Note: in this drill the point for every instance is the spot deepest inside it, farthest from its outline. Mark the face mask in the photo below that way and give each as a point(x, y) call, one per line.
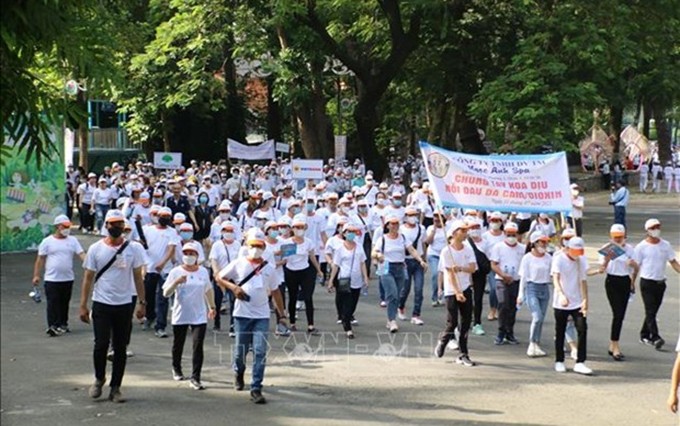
point(397, 203)
point(189, 259)
point(228, 235)
point(654, 233)
point(273, 233)
point(574, 193)
point(411, 220)
point(350, 236)
point(115, 231)
point(164, 221)
point(65, 232)
point(475, 233)
point(186, 235)
point(203, 200)
point(154, 220)
point(158, 201)
point(495, 226)
point(255, 252)
point(381, 202)
point(363, 210)
point(224, 216)
point(299, 232)
point(540, 250)
point(296, 210)
point(511, 240)
point(344, 209)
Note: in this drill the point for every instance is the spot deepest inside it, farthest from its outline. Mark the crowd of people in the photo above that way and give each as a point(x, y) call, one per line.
point(249, 241)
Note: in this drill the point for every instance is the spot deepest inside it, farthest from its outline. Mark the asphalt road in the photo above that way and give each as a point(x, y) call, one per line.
point(376, 379)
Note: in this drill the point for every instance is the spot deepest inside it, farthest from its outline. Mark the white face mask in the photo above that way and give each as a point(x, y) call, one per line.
point(154, 220)
point(65, 232)
point(344, 209)
point(299, 232)
point(189, 259)
point(224, 216)
point(255, 252)
point(411, 220)
point(495, 226)
point(228, 235)
point(511, 240)
point(475, 233)
point(540, 250)
point(381, 202)
point(574, 192)
point(654, 233)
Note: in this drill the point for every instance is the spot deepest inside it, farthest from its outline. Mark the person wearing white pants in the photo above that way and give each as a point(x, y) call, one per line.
point(668, 176)
point(644, 176)
point(676, 173)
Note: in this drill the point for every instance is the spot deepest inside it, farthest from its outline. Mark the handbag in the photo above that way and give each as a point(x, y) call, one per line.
point(345, 284)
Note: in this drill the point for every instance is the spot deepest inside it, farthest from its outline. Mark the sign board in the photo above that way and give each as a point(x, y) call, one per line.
point(263, 151)
point(282, 147)
point(307, 169)
point(167, 160)
point(510, 183)
point(340, 147)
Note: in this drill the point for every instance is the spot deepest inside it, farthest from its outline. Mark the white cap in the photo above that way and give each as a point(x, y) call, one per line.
point(165, 211)
point(254, 235)
point(456, 225)
point(538, 236)
point(91, 175)
point(228, 225)
point(496, 215)
point(568, 233)
point(270, 224)
point(351, 227)
point(62, 219)
point(114, 215)
point(299, 219)
point(144, 195)
point(224, 205)
point(650, 223)
point(510, 226)
point(617, 230)
point(267, 196)
point(121, 201)
point(179, 218)
point(576, 243)
point(191, 246)
point(186, 226)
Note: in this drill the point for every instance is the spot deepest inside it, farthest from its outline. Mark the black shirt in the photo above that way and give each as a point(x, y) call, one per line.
point(179, 206)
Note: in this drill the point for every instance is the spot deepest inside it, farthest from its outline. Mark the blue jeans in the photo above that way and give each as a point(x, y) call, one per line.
point(414, 273)
point(160, 310)
point(100, 211)
point(620, 215)
point(393, 282)
point(538, 297)
point(493, 299)
point(381, 287)
point(433, 266)
point(251, 332)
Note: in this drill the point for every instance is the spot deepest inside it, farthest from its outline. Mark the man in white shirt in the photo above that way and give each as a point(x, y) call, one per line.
point(55, 255)
point(644, 176)
point(85, 191)
point(656, 174)
point(575, 218)
point(651, 255)
point(112, 267)
point(676, 173)
point(668, 176)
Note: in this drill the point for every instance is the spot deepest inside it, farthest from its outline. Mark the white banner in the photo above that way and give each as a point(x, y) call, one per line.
point(307, 169)
point(167, 160)
point(69, 145)
point(509, 183)
point(263, 151)
point(282, 147)
point(340, 147)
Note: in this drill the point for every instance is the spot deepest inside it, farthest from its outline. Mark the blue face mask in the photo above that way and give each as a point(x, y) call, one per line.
point(296, 210)
point(186, 235)
point(273, 233)
point(203, 200)
point(309, 207)
point(397, 203)
point(350, 236)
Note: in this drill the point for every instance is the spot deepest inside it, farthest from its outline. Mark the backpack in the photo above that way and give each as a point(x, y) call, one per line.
point(483, 264)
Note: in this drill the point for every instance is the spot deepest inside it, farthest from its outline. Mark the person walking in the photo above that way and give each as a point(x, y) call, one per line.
point(651, 255)
point(194, 303)
point(534, 288)
point(575, 218)
point(457, 263)
point(55, 256)
point(435, 239)
point(252, 280)
point(414, 233)
point(479, 277)
point(570, 299)
point(493, 236)
point(112, 266)
point(619, 199)
point(221, 254)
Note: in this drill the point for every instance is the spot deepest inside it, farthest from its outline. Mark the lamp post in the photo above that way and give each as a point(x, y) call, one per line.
point(340, 70)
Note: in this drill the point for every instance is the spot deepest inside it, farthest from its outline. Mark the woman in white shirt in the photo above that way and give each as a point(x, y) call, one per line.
point(348, 263)
point(332, 244)
point(101, 202)
point(298, 274)
point(435, 239)
point(534, 287)
point(543, 224)
point(619, 284)
point(192, 306)
point(222, 253)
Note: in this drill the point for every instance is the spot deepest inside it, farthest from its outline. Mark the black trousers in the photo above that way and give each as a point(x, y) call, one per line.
point(110, 323)
point(652, 297)
point(507, 307)
point(86, 218)
point(453, 309)
point(478, 285)
point(561, 317)
point(58, 296)
point(347, 304)
point(179, 333)
point(618, 292)
point(300, 283)
point(367, 251)
point(151, 280)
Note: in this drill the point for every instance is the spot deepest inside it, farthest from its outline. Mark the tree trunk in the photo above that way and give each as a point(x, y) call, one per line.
point(82, 134)
point(236, 124)
point(663, 134)
point(274, 126)
point(466, 128)
point(646, 117)
point(366, 119)
point(167, 146)
point(615, 124)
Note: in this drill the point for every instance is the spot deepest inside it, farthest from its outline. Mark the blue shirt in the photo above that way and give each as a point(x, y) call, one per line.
point(620, 197)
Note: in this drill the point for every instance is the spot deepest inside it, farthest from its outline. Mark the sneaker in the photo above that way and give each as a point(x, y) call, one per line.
point(63, 329)
point(161, 334)
point(417, 321)
point(574, 354)
point(435, 303)
point(350, 334)
point(115, 395)
point(232, 334)
point(658, 343)
point(465, 360)
point(646, 341)
point(478, 330)
point(53, 332)
point(531, 350)
point(256, 397)
point(299, 306)
point(354, 321)
point(511, 339)
point(439, 349)
point(538, 352)
point(239, 384)
point(109, 356)
point(196, 384)
point(383, 304)
point(453, 345)
point(499, 340)
point(129, 353)
point(282, 330)
point(338, 321)
point(581, 368)
point(560, 367)
point(96, 389)
point(177, 375)
point(401, 315)
point(393, 327)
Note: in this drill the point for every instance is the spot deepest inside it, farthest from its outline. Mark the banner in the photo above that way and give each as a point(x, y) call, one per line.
point(307, 169)
point(31, 198)
point(282, 147)
point(340, 147)
point(263, 151)
point(509, 183)
point(167, 160)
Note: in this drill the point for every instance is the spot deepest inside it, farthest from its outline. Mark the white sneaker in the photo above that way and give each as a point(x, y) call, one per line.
point(129, 353)
point(581, 368)
point(538, 351)
point(299, 306)
point(574, 354)
point(393, 327)
point(560, 367)
point(453, 345)
point(417, 321)
point(383, 304)
point(401, 316)
point(531, 350)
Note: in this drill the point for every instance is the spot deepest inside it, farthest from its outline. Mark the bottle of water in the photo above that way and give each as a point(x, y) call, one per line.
point(364, 290)
point(35, 295)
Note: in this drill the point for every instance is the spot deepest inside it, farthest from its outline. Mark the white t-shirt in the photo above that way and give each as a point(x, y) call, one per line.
point(158, 240)
point(620, 266)
point(189, 306)
point(491, 240)
point(59, 254)
point(349, 268)
point(394, 248)
point(438, 242)
point(275, 248)
point(224, 253)
point(115, 285)
point(577, 213)
point(85, 190)
point(332, 244)
point(102, 196)
point(508, 258)
point(570, 280)
point(535, 269)
point(259, 287)
point(411, 233)
point(652, 259)
point(450, 257)
point(299, 260)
